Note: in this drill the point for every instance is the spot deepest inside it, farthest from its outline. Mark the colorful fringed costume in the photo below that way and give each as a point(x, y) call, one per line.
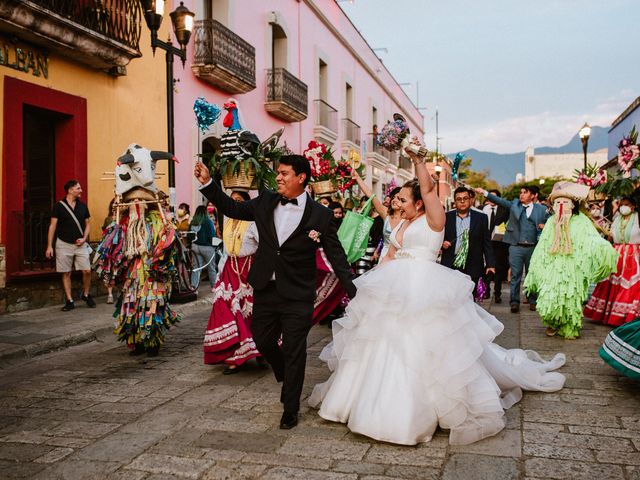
point(562, 279)
point(138, 253)
point(142, 310)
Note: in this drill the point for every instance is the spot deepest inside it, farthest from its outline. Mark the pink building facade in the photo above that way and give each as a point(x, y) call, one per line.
point(297, 64)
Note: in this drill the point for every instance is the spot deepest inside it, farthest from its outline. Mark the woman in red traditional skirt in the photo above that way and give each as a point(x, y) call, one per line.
point(228, 337)
point(616, 300)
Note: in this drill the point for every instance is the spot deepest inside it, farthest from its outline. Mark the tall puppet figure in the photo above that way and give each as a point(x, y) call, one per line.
point(569, 256)
point(138, 253)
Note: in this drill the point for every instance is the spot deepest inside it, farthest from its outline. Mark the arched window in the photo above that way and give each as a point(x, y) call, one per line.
point(278, 47)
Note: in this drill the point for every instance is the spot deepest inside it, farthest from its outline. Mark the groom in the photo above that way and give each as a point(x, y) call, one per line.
point(291, 226)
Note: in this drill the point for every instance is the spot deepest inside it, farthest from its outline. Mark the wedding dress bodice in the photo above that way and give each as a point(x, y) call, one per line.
point(418, 241)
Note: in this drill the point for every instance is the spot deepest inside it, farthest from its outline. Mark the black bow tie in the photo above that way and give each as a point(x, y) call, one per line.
point(284, 201)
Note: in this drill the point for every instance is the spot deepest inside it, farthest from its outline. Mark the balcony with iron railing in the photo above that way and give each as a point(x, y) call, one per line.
point(104, 34)
point(325, 129)
point(351, 131)
point(286, 96)
point(222, 58)
point(379, 156)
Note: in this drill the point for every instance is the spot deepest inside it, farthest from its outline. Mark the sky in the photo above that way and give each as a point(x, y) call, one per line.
point(507, 74)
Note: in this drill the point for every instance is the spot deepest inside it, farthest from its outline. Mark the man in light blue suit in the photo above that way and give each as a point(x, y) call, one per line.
point(526, 221)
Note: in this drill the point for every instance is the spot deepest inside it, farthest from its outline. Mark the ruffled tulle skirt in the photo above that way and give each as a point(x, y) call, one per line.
point(415, 352)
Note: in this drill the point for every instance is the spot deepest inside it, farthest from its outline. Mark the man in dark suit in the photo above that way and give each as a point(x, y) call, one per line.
point(498, 217)
point(462, 222)
point(291, 226)
point(526, 221)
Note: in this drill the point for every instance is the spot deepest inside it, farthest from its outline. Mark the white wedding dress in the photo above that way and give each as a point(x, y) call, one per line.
point(414, 351)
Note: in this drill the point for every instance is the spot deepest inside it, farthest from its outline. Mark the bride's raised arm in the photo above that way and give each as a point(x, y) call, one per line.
point(432, 206)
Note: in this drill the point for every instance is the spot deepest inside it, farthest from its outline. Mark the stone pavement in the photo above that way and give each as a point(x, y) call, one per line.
point(34, 332)
point(93, 411)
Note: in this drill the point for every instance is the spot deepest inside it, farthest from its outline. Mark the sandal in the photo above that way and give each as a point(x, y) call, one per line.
point(230, 370)
point(550, 332)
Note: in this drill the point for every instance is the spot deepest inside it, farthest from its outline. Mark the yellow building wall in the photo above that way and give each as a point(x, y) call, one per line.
point(120, 111)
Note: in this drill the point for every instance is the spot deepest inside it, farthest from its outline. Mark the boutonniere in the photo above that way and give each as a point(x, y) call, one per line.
point(314, 235)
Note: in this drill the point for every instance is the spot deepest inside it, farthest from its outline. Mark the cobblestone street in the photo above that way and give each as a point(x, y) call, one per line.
point(93, 411)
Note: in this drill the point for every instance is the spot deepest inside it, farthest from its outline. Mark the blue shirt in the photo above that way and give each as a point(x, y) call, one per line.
point(462, 225)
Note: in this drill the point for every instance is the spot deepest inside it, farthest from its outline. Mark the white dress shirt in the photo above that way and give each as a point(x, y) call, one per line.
point(487, 210)
point(528, 209)
point(287, 217)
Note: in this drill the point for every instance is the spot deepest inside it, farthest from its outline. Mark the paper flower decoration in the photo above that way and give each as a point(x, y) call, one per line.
point(206, 113)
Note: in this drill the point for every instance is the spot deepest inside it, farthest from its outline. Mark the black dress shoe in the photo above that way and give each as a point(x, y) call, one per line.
point(497, 300)
point(288, 420)
point(515, 308)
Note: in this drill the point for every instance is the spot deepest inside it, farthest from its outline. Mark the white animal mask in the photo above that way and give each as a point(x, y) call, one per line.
point(137, 168)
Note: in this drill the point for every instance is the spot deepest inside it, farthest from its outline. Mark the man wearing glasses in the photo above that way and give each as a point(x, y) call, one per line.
point(467, 245)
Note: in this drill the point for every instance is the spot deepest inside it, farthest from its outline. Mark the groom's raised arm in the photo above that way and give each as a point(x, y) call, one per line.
point(225, 204)
point(334, 251)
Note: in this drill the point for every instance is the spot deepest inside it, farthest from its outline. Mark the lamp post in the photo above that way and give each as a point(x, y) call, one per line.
point(438, 170)
point(584, 133)
point(182, 20)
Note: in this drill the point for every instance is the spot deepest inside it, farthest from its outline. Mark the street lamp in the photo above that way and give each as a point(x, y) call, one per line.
point(182, 21)
point(438, 170)
point(584, 133)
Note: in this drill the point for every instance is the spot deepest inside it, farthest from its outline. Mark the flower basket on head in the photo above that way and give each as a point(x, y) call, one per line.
point(594, 196)
point(322, 167)
point(324, 187)
point(244, 179)
point(244, 163)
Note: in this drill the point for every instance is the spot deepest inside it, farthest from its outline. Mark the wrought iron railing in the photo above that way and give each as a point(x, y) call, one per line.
point(326, 115)
point(215, 44)
point(32, 228)
point(282, 86)
point(392, 157)
point(119, 20)
point(351, 131)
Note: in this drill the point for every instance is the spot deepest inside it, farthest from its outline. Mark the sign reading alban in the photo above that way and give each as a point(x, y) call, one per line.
point(24, 59)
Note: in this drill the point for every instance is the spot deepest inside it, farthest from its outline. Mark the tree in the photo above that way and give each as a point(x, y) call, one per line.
point(512, 191)
point(474, 178)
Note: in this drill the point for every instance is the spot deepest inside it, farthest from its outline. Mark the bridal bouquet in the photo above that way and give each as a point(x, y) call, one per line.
point(393, 133)
point(395, 136)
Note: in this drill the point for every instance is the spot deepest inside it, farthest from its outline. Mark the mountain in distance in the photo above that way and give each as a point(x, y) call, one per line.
point(503, 167)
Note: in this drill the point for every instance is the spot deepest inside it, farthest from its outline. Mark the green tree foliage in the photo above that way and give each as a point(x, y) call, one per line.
point(512, 191)
point(474, 178)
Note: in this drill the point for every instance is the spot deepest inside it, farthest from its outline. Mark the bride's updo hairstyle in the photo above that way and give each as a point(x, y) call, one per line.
point(414, 186)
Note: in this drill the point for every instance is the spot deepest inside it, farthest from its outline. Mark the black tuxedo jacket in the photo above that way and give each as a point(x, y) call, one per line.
point(294, 262)
point(480, 250)
point(501, 216)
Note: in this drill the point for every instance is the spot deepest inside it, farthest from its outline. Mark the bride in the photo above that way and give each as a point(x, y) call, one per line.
point(415, 352)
